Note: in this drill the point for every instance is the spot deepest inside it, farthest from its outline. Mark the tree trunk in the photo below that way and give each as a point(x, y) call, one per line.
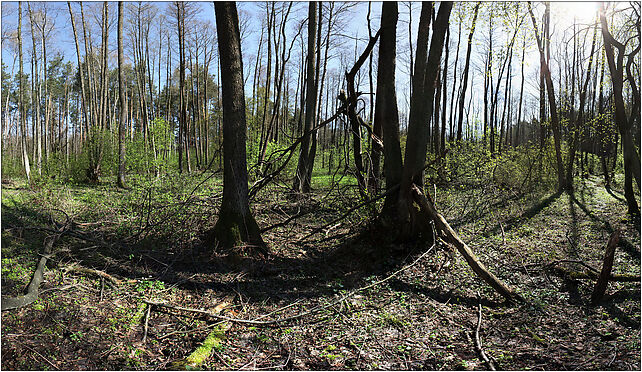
point(301, 180)
point(123, 101)
point(23, 125)
point(386, 111)
point(423, 96)
point(561, 181)
point(464, 83)
point(631, 156)
point(235, 226)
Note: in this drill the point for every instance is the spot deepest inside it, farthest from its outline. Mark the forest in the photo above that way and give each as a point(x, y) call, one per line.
point(320, 185)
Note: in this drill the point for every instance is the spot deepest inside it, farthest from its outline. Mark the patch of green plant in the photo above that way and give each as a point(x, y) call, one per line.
point(393, 321)
point(145, 285)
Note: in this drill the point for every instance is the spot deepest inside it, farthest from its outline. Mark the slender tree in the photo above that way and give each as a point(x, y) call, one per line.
point(123, 101)
point(561, 180)
point(464, 83)
point(631, 156)
point(23, 125)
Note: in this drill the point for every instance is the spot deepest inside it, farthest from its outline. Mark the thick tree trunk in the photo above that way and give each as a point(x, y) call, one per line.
point(235, 225)
point(416, 147)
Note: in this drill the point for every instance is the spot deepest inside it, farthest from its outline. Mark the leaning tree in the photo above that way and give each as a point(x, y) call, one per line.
point(404, 180)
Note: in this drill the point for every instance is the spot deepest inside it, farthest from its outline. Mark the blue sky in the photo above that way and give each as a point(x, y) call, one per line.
point(62, 40)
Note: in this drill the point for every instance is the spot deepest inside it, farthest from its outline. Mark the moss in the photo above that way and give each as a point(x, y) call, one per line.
point(234, 230)
point(196, 359)
point(138, 315)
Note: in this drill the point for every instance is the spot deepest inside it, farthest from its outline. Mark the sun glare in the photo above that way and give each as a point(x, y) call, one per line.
point(581, 11)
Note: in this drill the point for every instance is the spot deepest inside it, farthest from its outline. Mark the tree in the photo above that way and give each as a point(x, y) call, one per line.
point(421, 109)
point(23, 125)
point(464, 83)
point(631, 156)
point(302, 179)
point(123, 101)
point(561, 180)
point(236, 224)
point(386, 111)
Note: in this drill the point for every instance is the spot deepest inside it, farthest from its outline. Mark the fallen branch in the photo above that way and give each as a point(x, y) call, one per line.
point(85, 270)
point(477, 340)
point(149, 310)
point(286, 221)
point(607, 266)
point(451, 236)
point(31, 293)
point(349, 211)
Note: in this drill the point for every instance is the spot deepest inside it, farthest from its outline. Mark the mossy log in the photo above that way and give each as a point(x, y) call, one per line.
point(197, 358)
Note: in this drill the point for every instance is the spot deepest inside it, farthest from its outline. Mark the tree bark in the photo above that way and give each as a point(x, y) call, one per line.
point(236, 224)
point(301, 180)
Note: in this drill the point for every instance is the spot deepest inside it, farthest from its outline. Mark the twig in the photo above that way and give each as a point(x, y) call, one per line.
point(40, 355)
point(221, 358)
point(477, 340)
point(349, 211)
point(149, 309)
point(102, 288)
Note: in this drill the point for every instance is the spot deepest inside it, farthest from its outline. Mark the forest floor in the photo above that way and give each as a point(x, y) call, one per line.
point(424, 317)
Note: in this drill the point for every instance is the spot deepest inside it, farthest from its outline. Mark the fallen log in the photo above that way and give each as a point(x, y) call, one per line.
point(451, 237)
